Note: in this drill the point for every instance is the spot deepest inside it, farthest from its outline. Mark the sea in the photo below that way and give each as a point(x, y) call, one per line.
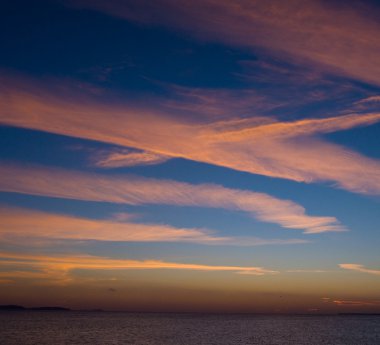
point(106, 328)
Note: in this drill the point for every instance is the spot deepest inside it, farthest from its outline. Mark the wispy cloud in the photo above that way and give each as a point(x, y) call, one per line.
point(339, 38)
point(217, 103)
point(291, 150)
point(128, 158)
point(359, 268)
point(18, 224)
point(349, 303)
point(137, 190)
point(370, 99)
point(58, 269)
point(306, 271)
point(267, 87)
point(287, 87)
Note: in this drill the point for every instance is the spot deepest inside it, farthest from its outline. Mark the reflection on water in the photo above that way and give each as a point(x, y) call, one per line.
point(25, 328)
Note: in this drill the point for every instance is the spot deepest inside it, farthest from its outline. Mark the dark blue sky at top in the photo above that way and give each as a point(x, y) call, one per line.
point(46, 38)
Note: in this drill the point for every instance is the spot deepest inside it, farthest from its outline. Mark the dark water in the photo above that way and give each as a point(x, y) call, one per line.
point(24, 328)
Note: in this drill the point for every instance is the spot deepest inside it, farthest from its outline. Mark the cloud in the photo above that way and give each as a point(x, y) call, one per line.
point(138, 190)
point(306, 271)
point(17, 273)
point(335, 37)
point(5, 281)
point(286, 87)
point(346, 303)
point(291, 150)
point(370, 99)
point(18, 224)
point(269, 86)
point(351, 303)
point(359, 268)
point(218, 103)
point(58, 269)
point(126, 158)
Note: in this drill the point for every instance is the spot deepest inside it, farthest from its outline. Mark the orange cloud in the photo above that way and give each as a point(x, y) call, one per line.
point(359, 268)
point(341, 38)
point(290, 150)
point(17, 224)
point(345, 303)
point(137, 190)
point(126, 158)
point(58, 269)
point(306, 271)
point(5, 281)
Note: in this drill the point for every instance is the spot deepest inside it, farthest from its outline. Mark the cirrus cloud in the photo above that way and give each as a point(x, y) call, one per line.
point(58, 269)
point(293, 150)
point(359, 268)
point(19, 224)
point(138, 190)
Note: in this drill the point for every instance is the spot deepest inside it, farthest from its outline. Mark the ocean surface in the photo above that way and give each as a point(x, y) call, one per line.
point(54, 327)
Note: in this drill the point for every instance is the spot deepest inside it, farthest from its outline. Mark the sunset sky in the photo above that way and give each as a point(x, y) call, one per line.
point(204, 155)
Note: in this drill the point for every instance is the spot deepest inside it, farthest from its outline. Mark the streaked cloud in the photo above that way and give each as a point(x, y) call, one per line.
point(306, 271)
point(359, 268)
point(370, 99)
point(211, 104)
point(349, 303)
point(138, 190)
point(266, 87)
point(19, 274)
point(291, 150)
point(340, 39)
point(23, 225)
point(59, 268)
point(128, 158)
point(6, 281)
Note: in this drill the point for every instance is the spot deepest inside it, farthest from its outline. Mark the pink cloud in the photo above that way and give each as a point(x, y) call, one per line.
point(291, 150)
point(137, 190)
point(359, 268)
point(126, 158)
point(349, 303)
point(20, 224)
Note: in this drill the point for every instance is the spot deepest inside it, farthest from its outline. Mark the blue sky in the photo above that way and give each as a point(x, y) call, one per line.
point(165, 146)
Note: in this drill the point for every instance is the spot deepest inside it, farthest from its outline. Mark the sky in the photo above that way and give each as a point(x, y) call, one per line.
point(203, 156)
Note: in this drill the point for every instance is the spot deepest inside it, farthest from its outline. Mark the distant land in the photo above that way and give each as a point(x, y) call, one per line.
point(15, 307)
point(21, 308)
